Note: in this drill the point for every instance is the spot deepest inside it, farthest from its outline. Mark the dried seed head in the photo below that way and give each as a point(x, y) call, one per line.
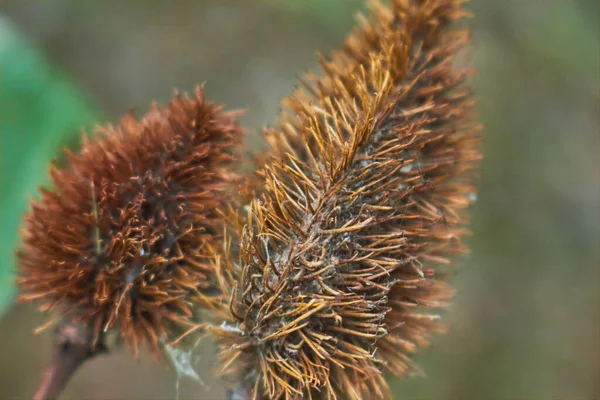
point(117, 243)
point(345, 256)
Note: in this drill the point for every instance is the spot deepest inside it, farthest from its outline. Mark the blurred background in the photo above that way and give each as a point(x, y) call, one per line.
point(526, 321)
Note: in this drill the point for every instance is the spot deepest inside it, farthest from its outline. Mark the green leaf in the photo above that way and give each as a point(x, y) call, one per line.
point(40, 112)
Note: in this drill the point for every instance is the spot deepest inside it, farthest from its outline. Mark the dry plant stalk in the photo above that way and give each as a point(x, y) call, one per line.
point(345, 257)
point(117, 243)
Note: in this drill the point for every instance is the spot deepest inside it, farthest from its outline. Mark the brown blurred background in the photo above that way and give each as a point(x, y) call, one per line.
point(526, 322)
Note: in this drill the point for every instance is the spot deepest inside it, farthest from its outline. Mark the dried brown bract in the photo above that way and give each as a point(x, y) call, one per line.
point(117, 243)
point(345, 255)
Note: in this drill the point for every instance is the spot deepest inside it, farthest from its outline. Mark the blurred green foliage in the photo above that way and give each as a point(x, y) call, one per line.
point(40, 112)
point(332, 14)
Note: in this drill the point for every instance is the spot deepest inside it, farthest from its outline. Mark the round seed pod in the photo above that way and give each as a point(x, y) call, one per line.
point(117, 243)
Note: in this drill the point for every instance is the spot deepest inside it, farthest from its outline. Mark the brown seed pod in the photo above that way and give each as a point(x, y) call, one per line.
point(345, 256)
point(117, 243)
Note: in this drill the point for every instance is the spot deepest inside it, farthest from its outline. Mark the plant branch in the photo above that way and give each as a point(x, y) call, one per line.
point(74, 344)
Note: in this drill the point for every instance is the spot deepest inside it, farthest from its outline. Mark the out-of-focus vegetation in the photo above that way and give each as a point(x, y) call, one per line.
point(526, 321)
point(40, 111)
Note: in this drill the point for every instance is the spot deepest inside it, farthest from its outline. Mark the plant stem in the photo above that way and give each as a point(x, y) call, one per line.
point(74, 344)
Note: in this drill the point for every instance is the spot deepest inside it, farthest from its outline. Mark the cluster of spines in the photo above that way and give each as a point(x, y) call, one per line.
point(344, 256)
point(117, 243)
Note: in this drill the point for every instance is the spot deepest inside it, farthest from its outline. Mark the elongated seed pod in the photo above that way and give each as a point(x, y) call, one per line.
point(117, 244)
point(345, 257)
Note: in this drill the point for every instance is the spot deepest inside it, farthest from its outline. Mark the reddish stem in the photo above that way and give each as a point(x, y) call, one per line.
point(74, 344)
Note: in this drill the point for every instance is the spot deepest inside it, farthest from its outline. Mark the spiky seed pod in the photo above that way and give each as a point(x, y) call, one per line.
point(117, 243)
point(345, 255)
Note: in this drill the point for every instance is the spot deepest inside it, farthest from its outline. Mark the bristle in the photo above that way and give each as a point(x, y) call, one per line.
point(117, 243)
point(345, 256)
